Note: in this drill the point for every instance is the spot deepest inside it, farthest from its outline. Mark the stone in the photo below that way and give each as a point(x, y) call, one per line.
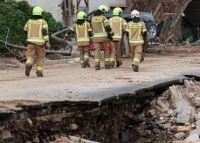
point(165, 126)
point(75, 53)
point(198, 115)
point(6, 134)
point(196, 131)
point(73, 126)
point(198, 123)
point(36, 140)
point(30, 122)
point(162, 121)
point(180, 135)
point(156, 131)
point(192, 138)
point(178, 142)
point(78, 115)
point(184, 114)
point(162, 104)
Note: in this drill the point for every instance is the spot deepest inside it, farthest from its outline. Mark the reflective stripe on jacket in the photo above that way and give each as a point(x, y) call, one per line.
point(135, 31)
point(34, 31)
point(82, 36)
point(98, 24)
point(117, 24)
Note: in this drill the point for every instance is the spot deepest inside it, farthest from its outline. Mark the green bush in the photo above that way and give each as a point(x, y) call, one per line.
point(13, 16)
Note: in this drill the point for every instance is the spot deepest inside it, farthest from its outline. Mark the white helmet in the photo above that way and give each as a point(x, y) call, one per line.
point(135, 13)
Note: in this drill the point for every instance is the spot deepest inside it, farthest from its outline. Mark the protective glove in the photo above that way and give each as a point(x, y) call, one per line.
point(110, 36)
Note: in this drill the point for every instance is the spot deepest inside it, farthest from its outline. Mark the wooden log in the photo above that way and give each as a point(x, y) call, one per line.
point(25, 48)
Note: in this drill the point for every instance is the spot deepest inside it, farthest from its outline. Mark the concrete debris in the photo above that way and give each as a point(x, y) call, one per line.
point(174, 112)
point(169, 117)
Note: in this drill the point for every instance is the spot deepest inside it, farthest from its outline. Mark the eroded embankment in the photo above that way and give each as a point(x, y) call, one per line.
point(111, 121)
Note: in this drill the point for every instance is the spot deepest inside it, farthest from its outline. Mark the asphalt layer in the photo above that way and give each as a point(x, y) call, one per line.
point(69, 82)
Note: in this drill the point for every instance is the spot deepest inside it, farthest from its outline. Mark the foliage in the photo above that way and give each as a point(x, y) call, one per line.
point(13, 16)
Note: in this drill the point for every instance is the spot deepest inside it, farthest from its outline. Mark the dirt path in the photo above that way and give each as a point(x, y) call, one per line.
point(70, 82)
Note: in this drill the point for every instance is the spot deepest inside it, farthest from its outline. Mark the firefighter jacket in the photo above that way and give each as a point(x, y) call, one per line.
point(135, 32)
point(98, 25)
point(82, 33)
point(118, 25)
point(35, 31)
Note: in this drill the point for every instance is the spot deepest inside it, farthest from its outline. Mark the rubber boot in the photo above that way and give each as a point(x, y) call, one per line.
point(39, 74)
point(108, 67)
point(83, 65)
point(142, 59)
point(112, 64)
point(119, 63)
point(135, 68)
point(28, 69)
point(97, 66)
point(87, 63)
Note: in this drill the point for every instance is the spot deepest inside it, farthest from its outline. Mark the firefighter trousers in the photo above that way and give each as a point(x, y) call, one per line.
point(97, 54)
point(84, 53)
point(36, 52)
point(136, 52)
point(115, 52)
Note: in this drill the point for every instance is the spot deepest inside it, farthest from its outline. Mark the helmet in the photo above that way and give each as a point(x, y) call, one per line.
point(117, 11)
point(81, 15)
point(135, 13)
point(103, 8)
point(37, 10)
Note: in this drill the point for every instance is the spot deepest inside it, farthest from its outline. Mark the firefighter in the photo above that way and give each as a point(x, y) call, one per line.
point(102, 31)
point(36, 29)
point(136, 32)
point(118, 25)
point(83, 33)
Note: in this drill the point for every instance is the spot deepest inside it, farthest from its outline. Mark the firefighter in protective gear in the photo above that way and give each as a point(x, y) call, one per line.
point(101, 31)
point(118, 25)
point(83, 34)
point(36, 29)
point(136, 32)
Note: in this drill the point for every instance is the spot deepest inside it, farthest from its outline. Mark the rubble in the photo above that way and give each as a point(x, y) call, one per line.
point(170, 116)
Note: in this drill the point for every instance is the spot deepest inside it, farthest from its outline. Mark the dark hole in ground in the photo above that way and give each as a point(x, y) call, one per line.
point(115, 120)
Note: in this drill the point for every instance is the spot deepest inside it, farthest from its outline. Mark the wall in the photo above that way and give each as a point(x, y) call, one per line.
point(51, 6)
point(93, 4)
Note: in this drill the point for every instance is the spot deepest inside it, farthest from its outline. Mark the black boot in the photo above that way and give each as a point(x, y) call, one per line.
point(28, 69)
point(135, 68)
point(83, 65)
point(142, 59)
point(97, 67)
point(40, 75)
point(108, 67)
point(112, 64)
point(87, 63)
point(119, 63)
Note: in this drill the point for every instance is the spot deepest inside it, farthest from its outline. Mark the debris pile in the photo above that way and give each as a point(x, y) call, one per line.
point(175, 115)
point(144, 116)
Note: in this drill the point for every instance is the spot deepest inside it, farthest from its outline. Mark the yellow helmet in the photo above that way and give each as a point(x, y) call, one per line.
point(117, 11)
point(103, 8)
point(81, 15)
point(37, 10)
